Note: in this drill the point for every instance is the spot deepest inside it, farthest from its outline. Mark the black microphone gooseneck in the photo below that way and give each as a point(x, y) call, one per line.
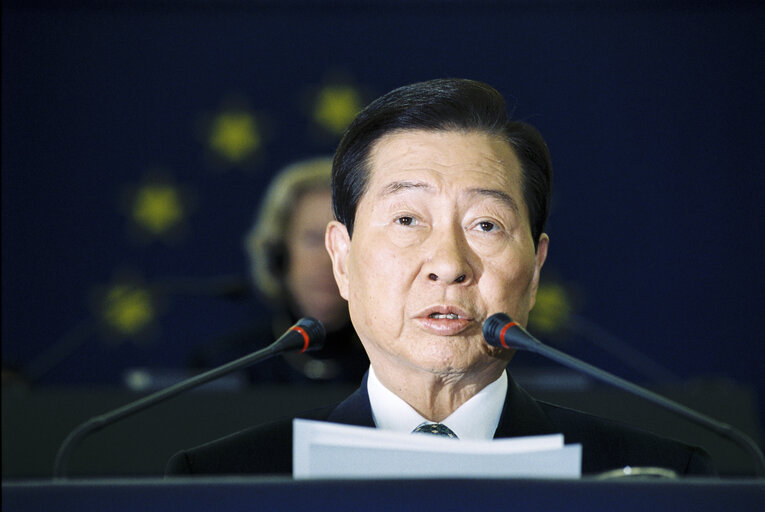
point(307, 335)
point(500, 330)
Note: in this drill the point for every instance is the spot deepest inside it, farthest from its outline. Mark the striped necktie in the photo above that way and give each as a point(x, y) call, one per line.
point(436, 429)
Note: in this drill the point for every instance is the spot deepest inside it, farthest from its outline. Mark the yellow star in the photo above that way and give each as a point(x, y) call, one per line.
point(552, 308)
point(234, 135)
point(128, 309)
point(336, 106)
point(158, 207)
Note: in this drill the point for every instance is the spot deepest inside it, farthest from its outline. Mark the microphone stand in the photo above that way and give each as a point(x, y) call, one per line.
point(289, 341)
point(723, 429)
point(500, 330)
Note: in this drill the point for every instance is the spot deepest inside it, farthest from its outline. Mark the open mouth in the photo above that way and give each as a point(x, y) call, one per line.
point(450, 316)
point(445, 320)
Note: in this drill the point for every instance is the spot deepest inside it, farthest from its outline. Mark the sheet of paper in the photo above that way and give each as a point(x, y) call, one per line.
point(330, 450)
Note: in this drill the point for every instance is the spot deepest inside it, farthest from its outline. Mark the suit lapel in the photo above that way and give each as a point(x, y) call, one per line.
point(521, 415)
point(356, 409)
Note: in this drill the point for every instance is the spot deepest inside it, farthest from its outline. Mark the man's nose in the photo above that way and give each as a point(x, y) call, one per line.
point(450, 257)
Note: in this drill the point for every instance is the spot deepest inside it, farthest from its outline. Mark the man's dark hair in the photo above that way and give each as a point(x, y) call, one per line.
point(440, 105)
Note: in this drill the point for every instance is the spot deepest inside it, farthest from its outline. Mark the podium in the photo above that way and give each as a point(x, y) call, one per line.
point(275, 494)
point(36, 421)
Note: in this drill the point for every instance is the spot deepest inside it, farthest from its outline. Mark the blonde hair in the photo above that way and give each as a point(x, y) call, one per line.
point(265, 242)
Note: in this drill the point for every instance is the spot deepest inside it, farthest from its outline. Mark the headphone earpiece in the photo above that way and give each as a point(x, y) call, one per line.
point(276, 257)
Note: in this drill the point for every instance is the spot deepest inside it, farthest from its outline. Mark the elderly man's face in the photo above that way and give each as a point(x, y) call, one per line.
point(441, 241)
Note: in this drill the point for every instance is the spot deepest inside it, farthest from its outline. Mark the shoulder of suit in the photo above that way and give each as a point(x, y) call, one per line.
point(600, 435)
point(582, 424)
point(271, 429)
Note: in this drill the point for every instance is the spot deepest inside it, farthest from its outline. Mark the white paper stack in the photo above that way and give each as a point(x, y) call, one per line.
point(331, 450)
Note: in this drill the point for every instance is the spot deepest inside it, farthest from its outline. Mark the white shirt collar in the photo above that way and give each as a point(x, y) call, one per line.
point(475, 419)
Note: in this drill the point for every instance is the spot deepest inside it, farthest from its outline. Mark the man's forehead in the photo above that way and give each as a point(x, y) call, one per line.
point(413, 159)
point(401, 186)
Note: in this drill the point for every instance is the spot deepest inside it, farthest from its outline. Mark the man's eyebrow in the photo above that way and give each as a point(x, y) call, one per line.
point(496, 194)
point(398, 186)
point(503, 197)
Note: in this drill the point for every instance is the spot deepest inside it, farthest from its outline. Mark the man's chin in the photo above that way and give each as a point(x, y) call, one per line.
point(461, 364)
point(451, 367)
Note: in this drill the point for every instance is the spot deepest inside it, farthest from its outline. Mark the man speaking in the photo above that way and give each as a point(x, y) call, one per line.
point(440, 203)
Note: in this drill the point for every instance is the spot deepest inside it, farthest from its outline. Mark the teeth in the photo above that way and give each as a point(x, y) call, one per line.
point(450, 316)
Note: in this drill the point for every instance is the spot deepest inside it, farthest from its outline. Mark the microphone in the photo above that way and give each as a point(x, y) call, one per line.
point(306, 335)
point(500, 330)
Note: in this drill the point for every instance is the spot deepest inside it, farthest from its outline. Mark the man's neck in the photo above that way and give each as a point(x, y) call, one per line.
point(436, 395)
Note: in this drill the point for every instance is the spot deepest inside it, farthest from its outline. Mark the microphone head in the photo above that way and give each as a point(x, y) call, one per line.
point(499, 330)
point(315, 331)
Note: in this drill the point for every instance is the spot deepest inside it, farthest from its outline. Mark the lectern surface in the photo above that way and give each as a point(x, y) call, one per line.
point(234, 494)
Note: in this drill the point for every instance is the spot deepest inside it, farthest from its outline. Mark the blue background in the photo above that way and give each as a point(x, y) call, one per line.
point(653, 113)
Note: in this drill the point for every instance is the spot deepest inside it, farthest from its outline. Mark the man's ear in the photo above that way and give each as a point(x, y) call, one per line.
point(338, 245)
point(539, 261)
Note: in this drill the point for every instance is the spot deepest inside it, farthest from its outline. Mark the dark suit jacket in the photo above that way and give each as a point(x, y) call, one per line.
point(606, 445)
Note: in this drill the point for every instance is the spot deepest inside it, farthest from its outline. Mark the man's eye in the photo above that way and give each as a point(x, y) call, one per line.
point(405, 221)
point(486, 226)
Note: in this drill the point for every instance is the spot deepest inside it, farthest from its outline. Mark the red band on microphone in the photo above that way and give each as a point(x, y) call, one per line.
point(503, 331)
point(305, 336)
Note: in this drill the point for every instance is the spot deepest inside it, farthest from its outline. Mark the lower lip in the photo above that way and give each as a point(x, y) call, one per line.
point(444, 326)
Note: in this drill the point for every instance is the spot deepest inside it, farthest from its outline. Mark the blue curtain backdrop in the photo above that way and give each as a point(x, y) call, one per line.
point(138, 137)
